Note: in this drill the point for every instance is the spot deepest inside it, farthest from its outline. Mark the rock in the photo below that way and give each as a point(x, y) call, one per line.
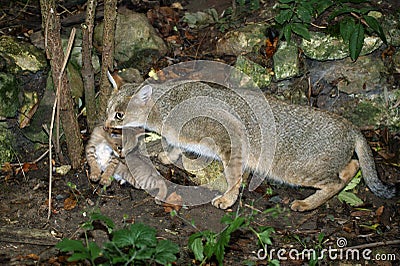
point(24, 55)
point(9, 92)
point(208, 173)
point(391, 28)
point(396, 61)
point(6, 141)
point(35, 132)
point(131, 75)
point(201, 19)
point(136, 41)
point(260, 75)
point(325, 47)
point(286, 61)
point(364, 75)
point(243, 40)
point(76, 52)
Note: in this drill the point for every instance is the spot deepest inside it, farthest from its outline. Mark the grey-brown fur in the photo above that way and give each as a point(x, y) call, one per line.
point(103, 153)
point(313, 148)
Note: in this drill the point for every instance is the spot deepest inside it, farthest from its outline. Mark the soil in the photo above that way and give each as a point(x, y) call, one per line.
point(28, 237)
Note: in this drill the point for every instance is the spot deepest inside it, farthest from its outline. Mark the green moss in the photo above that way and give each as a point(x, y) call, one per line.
point(8, 95)
point(6, 140)
point(25, 55)
point(364, 114)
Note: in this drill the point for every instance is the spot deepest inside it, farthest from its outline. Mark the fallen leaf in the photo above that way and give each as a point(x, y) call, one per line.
point(360, 213)
point(379, 211)
point(26, 118)
point(8, 170)
point(32, 256)
point(173, 202)
point(26, 167)
point(69, 203)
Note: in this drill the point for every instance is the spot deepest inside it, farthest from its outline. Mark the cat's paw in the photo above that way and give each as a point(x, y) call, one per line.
point(106, 180)
point(164, 158)
point(224, 202)
point(95, 176)
point(300, 206)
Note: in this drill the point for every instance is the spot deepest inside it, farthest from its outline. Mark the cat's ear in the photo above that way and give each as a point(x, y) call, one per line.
point(145, 93)
point(115, 80)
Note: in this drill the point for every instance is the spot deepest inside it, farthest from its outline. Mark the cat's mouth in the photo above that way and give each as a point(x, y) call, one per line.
point(113, 130)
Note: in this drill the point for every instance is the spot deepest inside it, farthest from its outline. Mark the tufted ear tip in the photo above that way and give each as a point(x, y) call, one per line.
point(115, 80)
point(145, 93)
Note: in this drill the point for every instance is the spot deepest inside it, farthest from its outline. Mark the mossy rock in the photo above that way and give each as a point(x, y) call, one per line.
point(6, 140)
point(24, 55)
point(9, 91)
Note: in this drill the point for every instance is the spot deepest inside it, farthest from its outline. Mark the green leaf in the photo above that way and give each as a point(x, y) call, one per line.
point(165, 252)
point(376, 27)
point(349, 198)
point(321, 6)
point(286, 1)
point(95, 250)
point(353, 182)
point(347, 27)
point(77, 256)
point(284, 16)
point(301, 30)
point(197, 247)
point(219, 248)
point(341, 11)
point(138, 235)
point(265, 235)
point(304, 13)
point(287, 32)
point(66, 245)
point(356, 41)
point(97, 216)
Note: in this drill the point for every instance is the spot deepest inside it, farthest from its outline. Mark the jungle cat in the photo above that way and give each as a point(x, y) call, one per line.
point(313, 148)
point(105, 154)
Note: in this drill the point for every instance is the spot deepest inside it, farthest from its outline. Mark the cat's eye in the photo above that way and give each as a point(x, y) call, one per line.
point(119, 115)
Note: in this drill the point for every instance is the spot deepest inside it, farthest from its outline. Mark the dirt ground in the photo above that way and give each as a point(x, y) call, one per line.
point(27, 237)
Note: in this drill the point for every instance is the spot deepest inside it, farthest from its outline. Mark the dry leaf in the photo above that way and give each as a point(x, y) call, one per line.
point(8, 170)
point(173, 202)
point(69, 203)
point(26, 167)
point(26, 119)
point(379, 211)
point(32, 256)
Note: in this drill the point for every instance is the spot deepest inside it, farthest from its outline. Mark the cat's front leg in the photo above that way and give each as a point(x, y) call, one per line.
point(107, 176)
point(95, 172)
point(171, 156)
point(233, 175)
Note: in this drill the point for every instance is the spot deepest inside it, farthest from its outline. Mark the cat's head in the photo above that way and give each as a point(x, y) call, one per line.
point(129, 106)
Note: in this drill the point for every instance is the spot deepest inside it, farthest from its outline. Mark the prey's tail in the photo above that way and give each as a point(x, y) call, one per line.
point(369, 173)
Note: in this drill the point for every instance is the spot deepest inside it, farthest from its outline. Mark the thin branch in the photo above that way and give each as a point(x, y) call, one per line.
point(57, 99)
point(375, 244)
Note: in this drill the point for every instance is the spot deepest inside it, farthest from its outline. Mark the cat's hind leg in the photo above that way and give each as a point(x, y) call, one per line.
point(328, 190)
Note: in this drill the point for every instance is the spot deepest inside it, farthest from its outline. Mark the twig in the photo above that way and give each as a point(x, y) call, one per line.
point(20, 166)
point(318, 26)
point(32, 162)
point(56, 104)
point(376, 244)
point(252, 208)
point(359, 18)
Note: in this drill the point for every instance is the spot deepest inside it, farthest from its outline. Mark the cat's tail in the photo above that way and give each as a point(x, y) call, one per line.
point(368, 169)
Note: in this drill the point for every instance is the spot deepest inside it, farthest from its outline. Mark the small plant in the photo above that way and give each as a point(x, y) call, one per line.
point(130, 246)
point(347, 195)
point(296, 16)
point(206, 244)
